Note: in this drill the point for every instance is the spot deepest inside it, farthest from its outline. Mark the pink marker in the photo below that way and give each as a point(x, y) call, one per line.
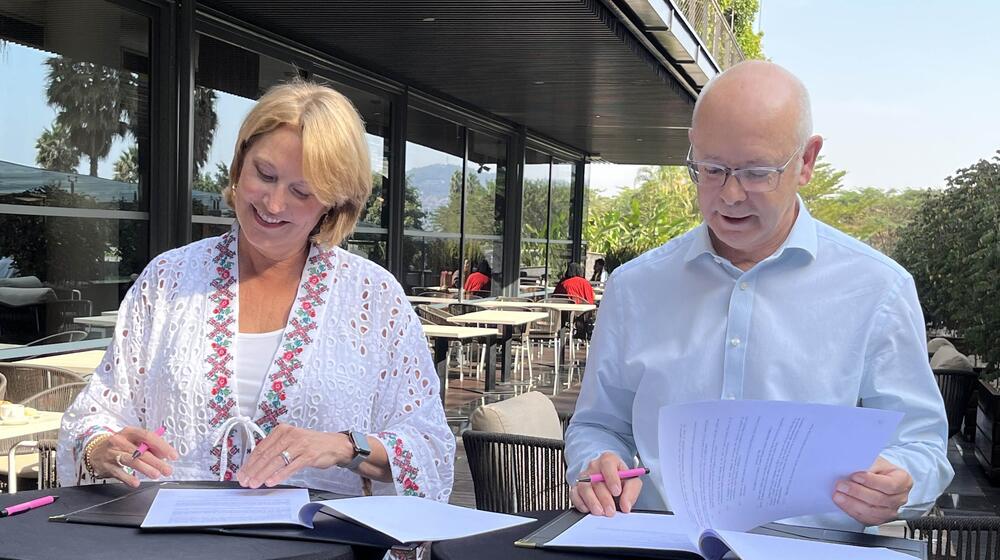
point(630, 473)
point(11, 510)
point(143, 447)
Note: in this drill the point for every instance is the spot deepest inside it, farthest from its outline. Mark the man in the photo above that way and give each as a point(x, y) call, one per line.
point(760, 301)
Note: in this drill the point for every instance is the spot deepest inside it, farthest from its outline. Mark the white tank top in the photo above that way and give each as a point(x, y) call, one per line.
point(254, 354)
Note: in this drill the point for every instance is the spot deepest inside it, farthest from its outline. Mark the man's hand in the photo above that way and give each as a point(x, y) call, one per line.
point(873, 497)
point(598, 497)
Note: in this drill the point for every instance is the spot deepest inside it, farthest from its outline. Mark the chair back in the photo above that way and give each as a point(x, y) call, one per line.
point(59, 337)
point(3, 387)
point(529, 414)
point(957, 537)
point(549, 327)
point(435, 315)
point(24, 381)
point(56, 399)
point(513, 473)
point(47, 464)
point(956, 390)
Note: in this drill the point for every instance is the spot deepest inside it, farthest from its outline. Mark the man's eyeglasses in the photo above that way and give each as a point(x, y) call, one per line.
point(710, 175)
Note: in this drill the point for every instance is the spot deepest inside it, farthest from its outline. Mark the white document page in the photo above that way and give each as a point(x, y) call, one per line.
point(627, 530)
point(410, 519)
point(221, 507)
point(749, 546)
point(736, 465)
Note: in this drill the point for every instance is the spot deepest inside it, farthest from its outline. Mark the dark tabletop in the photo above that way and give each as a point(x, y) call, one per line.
point(30, 535)
point(499, 545)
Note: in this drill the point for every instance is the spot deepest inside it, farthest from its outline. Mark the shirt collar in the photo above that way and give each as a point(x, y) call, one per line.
point(802, 237)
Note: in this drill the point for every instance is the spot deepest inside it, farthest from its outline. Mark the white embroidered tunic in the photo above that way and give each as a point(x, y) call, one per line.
point(352, 356)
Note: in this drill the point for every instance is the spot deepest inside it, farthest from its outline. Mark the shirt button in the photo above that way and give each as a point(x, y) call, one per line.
point(744, 285)
point(735, 341)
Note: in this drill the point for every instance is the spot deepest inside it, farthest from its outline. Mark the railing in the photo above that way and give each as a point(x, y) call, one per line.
point(713, 28)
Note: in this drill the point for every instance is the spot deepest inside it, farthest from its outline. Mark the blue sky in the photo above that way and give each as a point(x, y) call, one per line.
point(904, 91)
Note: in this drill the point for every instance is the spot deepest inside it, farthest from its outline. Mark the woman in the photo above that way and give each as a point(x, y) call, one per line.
point(479, 281)
point(269, 354)
point(575, 285)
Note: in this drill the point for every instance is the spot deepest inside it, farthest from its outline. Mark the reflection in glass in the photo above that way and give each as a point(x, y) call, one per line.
point(61, 258)
point(433, 202)
point(228, 81)
point(74, 106)
point(561, 200)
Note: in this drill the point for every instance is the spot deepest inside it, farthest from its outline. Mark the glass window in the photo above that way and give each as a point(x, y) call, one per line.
point(228, 81)
point(534, 220)
point(432, 210)
point(74, 163)
point(371, 235)
point(485, 205)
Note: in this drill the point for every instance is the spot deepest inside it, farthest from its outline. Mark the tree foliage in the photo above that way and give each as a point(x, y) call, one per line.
point(741, 14)
point(92, 104)
point(126, 168)
point(952, 249)
point(54, 151)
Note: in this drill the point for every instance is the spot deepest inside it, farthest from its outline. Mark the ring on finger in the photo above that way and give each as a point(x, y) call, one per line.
point(286, 457)
point(128, 470)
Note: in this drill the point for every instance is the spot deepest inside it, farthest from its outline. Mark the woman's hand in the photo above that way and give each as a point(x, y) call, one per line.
point(303, 448)
point(110, 457)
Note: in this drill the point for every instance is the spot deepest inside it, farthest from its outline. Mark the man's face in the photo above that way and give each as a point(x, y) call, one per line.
point(749, 226)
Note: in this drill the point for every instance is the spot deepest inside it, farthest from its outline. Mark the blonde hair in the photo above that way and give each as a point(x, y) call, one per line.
point(335, 158)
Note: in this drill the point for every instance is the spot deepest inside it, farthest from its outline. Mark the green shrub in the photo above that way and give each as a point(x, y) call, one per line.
point(952, 249)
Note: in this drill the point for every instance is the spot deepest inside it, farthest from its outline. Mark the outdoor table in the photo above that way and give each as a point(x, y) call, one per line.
point(83, 363)
point(442, 335)
point(112, 313)
point(571, 308)
point(31, 536)
point(430, 299)
point(499, 545)
point(9, 346)
point(507, 320)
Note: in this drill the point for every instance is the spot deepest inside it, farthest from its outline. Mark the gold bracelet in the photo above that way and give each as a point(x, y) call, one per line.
point(87, 451)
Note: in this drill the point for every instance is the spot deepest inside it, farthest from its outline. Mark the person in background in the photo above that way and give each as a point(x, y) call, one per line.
point(479, 281)
point(269, 354)
point(600, 275)
point(761, 301)
point(575, 285)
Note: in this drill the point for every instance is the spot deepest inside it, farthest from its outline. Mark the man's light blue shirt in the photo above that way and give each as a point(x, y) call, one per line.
point(825, 319)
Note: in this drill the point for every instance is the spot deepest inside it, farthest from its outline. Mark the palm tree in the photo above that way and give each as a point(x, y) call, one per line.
point(92, 101)
point(126, 169)
point(205, 123)
point(54, 150)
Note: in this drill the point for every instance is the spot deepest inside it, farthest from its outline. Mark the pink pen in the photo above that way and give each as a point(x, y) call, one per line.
point(143, 447)
point(11, 510)
point(630, 473)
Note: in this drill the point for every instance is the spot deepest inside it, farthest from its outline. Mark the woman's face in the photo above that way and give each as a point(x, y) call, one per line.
point(276, 207)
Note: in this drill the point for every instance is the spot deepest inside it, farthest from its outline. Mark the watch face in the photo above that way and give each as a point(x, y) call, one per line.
point(361, 446)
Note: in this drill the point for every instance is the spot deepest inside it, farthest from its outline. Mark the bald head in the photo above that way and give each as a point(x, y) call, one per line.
point(770, 94)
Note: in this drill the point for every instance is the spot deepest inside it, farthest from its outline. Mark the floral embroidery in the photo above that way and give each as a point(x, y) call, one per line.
point(83, 438)
point(402, 458)
point(296, 338)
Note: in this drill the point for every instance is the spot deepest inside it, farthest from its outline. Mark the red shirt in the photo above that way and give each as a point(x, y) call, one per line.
point(477, 281)
point(577, 288)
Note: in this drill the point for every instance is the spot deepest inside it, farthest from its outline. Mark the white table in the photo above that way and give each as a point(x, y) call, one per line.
point(506, 319)
point(83, 363)
point(431, 299)
point(101, 321)
point(9, 346)
point(113, 312)
point(442, 334)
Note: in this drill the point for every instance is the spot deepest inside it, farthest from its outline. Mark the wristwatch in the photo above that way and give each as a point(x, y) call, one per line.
point(361, 448)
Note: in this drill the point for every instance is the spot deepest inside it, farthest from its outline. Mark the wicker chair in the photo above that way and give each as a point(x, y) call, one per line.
point(56, 399)
point(957, 538)
point(3, 387)
point(513, 473)
point(956, 388)
point(24, 381)
point(47, 464)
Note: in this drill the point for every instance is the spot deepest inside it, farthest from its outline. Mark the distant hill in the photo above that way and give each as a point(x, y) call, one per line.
point(433, 182)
